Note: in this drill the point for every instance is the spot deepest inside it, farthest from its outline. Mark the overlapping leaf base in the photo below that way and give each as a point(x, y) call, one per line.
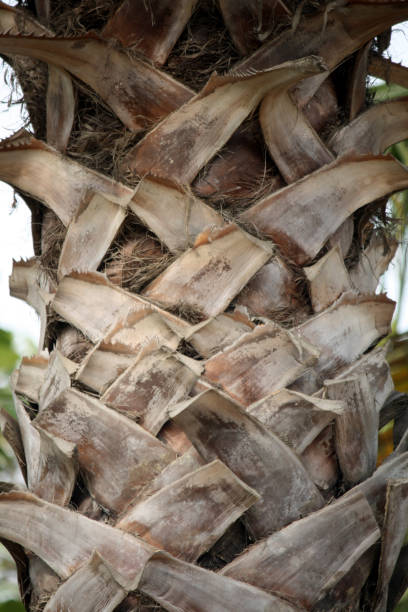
point(198, 431)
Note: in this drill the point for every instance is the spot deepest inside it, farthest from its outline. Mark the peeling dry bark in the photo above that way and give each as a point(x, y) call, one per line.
point(210, 275)
point(219, 428)
point(297, 566)
point(187, 517)
point(111, 482)
point(153, 28)
point(181, 145)
point(301, 236)
point(208, 375)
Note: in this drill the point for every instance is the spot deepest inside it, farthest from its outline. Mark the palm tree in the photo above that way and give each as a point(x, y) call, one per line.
point(208, 189)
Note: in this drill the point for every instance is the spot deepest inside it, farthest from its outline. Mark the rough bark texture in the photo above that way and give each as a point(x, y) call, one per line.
point(198, 431)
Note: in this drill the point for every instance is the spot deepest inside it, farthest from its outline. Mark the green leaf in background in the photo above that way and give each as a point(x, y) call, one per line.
point(8, 587)
point(12, 606)
point(6, 401)
point(8, 359)
point(8, 356)
point(387, 91)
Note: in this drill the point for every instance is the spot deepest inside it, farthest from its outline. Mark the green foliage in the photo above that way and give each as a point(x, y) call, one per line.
point(388, 91)
point(8, 356)
point(12, 606)
point(8, 359)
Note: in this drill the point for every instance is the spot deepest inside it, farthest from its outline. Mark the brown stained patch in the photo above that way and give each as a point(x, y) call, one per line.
point(149, 96)
point(174, 436)
point(250, 369)
point(256, 456)
point(138, 25)
point(216, 267)
point(133, 402)
point(167, 156)
point(152, 28)
point(79, 44)
point(106, 441)
point(186, 517)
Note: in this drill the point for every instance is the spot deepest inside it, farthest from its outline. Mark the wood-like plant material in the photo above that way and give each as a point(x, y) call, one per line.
point(375, 487)
point(373, 262)
point(121, 346)
point(89, 235)
point(30, 283)
point(272, 290)
point(176, 584)
point(320, 461)
point(189, 461)
point(60, 104)
point(11, 431)
point(399, 580)
point(210, 275)
point(347, 592)
point(187, 517)
point(219, 428)
point(28, 379)
point(153, 202)
point(73, 539)
point(394, 531)
point(77, 293)
point(44, 580)
point(375, 367)
point(293, 144)
point(328, 280)
point(356, 428)
point(58, 182)
point(388, 70)
point(350, 327)
point(182, 144)
point(296, 418)
point(328, 198)
point(135, 90)
point(250, 23)
point(357, 88)
point(343, 236)
point(262, 361)
point(237, 174)
point(373, 131)
point(297, 567)
point(101, 367)
point(209, 373)
point(56, 379)
point(51, 462)
point(141, 330)
point(113, 486)
point(333, 37)
point(149, 387)
point(151, 28)
point(92, 588)
point(216, 333)
point(60, 108)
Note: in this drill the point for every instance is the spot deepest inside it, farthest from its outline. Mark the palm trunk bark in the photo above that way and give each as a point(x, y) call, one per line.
point(199, 429)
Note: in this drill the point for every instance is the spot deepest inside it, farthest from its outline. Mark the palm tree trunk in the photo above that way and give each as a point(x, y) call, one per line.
point(199, 429)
